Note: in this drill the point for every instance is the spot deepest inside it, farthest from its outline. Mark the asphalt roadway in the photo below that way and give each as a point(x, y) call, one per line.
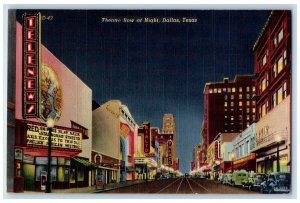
point(182, 186)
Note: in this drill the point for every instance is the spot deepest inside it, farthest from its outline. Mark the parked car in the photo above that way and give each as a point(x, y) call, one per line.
point(238, 177)
point(221, 177)
point(254, 180)
point(277, 182)
point(227, 179)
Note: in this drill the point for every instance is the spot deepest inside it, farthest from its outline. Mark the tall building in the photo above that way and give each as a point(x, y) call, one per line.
point(272, 52)
point(228, 106)
point(169, 127)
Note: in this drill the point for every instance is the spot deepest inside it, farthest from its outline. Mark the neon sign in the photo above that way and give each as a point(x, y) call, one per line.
point(31, 62)
point(146, 138)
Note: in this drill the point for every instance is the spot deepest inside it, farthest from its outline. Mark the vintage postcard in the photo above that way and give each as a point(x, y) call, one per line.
point(140, 101)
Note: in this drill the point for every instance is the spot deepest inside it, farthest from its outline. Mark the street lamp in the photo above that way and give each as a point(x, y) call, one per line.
point(50, 125)
point(232, 157)
point(278, 139)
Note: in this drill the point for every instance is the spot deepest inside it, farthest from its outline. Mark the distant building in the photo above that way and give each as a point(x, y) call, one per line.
point(272, 52)
point(169, 127)
point(242, 145)
point(114, 134)
point(228, 106)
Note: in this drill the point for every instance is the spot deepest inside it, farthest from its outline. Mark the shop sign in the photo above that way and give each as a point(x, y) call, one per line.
point(146, 138)
point(31, 63)
point(61, 138)
point(28, 159)
point(18, 154)
point(98, 158)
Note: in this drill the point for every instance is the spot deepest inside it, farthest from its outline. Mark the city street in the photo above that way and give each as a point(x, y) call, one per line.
point(182, 186)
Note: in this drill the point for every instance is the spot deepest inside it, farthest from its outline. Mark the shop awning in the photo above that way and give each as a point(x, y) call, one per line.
point(130, 169)
point(82, 162)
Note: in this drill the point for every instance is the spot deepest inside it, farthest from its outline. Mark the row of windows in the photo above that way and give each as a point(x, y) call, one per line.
point(278, 97)
point(233, 89)
point(241, 117)
point(129, 120)
point(277, 39)
point(248, 103)
point(278, 66)
point(248, 96)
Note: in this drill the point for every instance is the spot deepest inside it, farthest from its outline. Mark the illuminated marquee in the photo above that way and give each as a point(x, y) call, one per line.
point(62, 138)
point(31, 62)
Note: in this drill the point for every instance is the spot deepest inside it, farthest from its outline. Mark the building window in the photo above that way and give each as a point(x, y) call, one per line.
point(248, 96)
point(279, 65)
point(210, 91)
point(275, 70)
point(247, 88)
point(279, 95)
point(225, 104)
point(253, 103)
point(225, 97)
point(265, 60)
point(240, 103)
point(253, 110)
point(232, 96)
point(253, 89)
point(219, 90)
point(253, 117)
point(284, 91)
point(263, 84)
point(233, 89)
point(248, 103)
point(280, 36)
point(85, 132)
point(248, 110)
point(215, 90)
point(232, 118)
point(248, 117)
point(240, 89)
point(232, 104)
point(224, 89)
point(263, 110)
point(225, 116)
point(284, 57)
point(267, 106)
point(275, 41)
point(229, 89)
point(274, 100)
point(240, 117)
point(240, 96)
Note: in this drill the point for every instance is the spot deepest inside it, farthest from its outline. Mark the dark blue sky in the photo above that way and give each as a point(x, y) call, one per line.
point(155, 68)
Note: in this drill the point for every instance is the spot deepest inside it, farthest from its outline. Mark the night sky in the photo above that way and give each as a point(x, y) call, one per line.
point(155, 68)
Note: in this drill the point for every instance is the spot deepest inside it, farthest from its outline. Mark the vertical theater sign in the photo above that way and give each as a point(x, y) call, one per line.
point(31, 63)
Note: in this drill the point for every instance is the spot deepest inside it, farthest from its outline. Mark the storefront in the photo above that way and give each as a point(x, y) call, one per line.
point(31, 155)
point(273, 140)
point(106, 167)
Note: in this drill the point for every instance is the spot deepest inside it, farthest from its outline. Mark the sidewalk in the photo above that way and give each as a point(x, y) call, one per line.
point(92, 189)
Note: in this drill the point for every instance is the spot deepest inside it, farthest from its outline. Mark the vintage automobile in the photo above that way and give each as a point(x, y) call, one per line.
point(227, 179)
point(221, 177)
point(238, 177)
point(277, 182)
point(254, 180)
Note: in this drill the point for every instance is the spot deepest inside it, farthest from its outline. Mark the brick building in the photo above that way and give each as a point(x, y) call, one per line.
point(228, 107)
